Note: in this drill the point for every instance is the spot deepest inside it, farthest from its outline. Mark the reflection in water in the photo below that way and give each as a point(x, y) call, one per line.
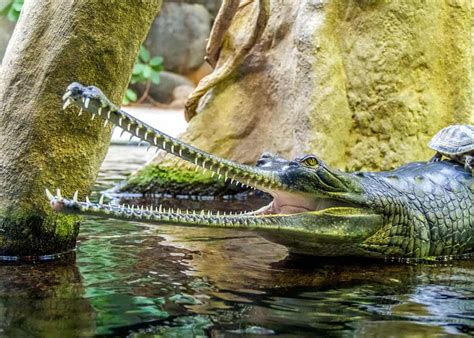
point(134, 279)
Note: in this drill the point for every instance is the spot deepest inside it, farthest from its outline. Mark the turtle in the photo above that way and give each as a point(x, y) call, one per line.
point(456, 142)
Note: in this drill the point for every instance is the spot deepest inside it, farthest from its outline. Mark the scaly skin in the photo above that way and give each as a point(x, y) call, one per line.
point(421, 210)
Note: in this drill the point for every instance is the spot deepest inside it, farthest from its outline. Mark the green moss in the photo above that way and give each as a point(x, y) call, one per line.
point(155, 178)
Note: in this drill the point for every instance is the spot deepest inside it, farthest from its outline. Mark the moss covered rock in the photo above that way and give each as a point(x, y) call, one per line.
point(169, 180)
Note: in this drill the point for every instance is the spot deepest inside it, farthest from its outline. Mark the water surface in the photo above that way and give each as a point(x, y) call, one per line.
point(130, 279)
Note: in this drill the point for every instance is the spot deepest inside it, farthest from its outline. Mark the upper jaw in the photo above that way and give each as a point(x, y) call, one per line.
point(92, 100)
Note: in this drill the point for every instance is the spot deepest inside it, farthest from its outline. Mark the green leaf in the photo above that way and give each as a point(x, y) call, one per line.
point(155, 78)
point(156, 61)
point(144, 54)
point(12, 15)
point(125, 101)
point(17, 6)
point(147, 71)
point(138, 68)
point(131, 95)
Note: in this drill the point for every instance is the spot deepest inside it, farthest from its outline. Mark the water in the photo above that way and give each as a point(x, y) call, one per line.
point(129, 279)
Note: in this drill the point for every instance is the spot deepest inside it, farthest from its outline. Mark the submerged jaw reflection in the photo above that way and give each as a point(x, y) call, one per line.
point(315, 210)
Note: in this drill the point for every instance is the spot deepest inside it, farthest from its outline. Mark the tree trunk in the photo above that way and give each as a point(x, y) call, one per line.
point(55, 43)
point(364, 84)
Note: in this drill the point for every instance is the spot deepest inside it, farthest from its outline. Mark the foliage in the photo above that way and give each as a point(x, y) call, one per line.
point(145, 71)
point(11, 9)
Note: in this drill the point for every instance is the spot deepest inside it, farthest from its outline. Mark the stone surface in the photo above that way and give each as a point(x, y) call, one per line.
point(179, 35)
point(43, 146)
point(6, 30)
point(163, 92)
point(211, 5)
point(363, 84)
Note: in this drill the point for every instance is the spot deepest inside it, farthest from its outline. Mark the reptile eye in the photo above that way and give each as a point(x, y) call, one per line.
point(310, 161)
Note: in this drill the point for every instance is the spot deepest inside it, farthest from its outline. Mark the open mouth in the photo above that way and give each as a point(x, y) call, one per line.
point(286, 202)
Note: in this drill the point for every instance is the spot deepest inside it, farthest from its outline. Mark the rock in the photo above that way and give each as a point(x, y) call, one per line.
point(6, 30)
point(199, 73)
point(211, 5)
point(347, 80)
point(182, 92)
point(179, 35)
point(163, 93)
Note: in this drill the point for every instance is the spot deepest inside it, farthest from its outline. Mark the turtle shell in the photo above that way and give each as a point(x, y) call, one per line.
point(454, 140)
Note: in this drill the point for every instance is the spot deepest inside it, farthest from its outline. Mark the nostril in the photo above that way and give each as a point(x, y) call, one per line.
point(266, 155)
point(294, 164)
point(261, 162)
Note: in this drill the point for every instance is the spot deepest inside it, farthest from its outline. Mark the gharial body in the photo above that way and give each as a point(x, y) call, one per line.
point(420, 210)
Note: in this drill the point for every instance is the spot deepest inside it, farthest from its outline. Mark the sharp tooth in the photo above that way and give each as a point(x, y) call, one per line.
point(101, 200)
point(58, 193)
point(129, 126)
point(132, 207)
point(146, 135)
point(120, 121)
point(209, 213)
point(155, 140)
point(212, 174)
point(66, 95)
point(93, 117)
point(80, 112)
point(74, 198)
point(196, 161)
point(164, 144)
point(131, 136)
point(88, 201)
point(99, 111)
point(160, 209)
point(202, 213)
point(66, 103)
point(49, 194)
point(108, 114)
point(196, 169)
point(220, 176)
point(123, 131)
point(137, 130)
point(180, 152)
point(105, 123)
point(86, 102)
point(217, 214)
point(172, 148)
point(148, 148)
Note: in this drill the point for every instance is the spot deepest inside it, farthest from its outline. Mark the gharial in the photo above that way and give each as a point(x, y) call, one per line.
point(421, 210)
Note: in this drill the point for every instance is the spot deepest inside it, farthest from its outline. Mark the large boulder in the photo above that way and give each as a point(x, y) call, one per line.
point(364, 84)
point(179, 35)
point(6, 30)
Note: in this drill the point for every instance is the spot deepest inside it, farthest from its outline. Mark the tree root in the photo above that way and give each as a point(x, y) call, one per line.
point(220, 27)
point(231, 64)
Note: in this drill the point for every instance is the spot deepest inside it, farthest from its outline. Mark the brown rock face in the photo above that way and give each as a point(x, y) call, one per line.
point(363, 84)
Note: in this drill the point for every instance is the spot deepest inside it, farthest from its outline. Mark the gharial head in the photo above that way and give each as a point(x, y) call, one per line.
point(312, 203)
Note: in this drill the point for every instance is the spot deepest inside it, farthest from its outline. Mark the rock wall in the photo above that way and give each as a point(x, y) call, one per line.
point(364, 84)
